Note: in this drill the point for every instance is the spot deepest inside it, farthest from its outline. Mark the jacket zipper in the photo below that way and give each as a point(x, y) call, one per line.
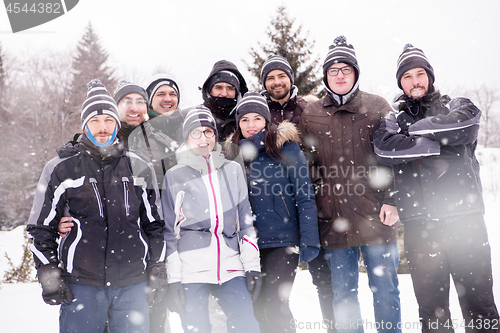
point(216, 221)
point(125, 191)
point(284, 203)
point(93, 181)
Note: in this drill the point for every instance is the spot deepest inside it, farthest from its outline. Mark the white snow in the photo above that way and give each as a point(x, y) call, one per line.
point(22, 309)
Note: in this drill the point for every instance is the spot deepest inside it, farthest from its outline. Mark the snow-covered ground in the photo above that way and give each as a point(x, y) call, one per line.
point(22, 309)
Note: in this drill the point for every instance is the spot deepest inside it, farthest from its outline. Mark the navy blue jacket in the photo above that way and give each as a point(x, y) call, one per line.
point(430, 143)
point(281, 192)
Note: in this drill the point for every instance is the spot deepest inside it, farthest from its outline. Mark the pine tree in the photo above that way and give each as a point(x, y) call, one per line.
point(289, 43)
point(88, 64)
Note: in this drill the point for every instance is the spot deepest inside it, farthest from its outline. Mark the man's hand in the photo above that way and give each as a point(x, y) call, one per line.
point(54, 290)
point(65, 225)
point(388, 214)
point(157, 282)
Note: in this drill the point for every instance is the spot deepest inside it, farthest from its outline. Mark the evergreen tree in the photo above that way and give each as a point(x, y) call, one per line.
point(288, 42)
point(88, 64)
point(2, 76)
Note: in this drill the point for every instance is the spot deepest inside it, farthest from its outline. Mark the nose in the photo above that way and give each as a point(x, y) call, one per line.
point(416, 82)
point(224, 92)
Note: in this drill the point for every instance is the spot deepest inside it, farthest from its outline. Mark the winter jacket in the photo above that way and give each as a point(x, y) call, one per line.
point(226, 120)
point(351, 185)
point(156, 140)
point(208, 220)
point(281, 193)
point(118, 228)
point(291, 110)
point(430, 143)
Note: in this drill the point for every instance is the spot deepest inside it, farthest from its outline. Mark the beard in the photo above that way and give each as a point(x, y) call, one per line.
point(281, 95)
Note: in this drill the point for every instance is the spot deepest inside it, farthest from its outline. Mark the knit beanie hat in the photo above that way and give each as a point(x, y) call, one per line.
point(196, 117)
point(125, 88)
point(161, 80)
point(275, 62)
point(98, 102)
point(253, 102)
point(411, 58)
point(340, 52)
point(224, 76)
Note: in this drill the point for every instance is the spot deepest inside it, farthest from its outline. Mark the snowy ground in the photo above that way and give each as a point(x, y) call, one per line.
point(22, 309)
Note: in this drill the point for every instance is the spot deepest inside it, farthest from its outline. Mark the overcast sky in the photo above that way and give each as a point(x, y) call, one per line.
point(186, 37)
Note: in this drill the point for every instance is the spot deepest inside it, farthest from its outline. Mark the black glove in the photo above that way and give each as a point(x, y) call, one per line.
point(54, 290)
point(157, 282)
point(308, 253)
point(175, 297)
point(254, 283)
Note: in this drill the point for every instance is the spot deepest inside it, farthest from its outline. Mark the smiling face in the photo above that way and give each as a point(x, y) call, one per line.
point(165, 100)
point(132, 109)
point(251, 123)
point(415, 82)
point(278, 85)
point(223, 89)
point(101, 127)
point(341, 83)
point(201, 140)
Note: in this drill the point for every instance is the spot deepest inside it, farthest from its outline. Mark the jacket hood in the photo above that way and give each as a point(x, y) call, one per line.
point(227, 66)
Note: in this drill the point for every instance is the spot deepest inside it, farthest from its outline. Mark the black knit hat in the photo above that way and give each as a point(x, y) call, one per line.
point(411, 58)
point(98, 102)
point(253, 102)
point(340, 52)
point(161, 80)
point(224, 76)
point(275, 62)
point(198, 116)
point(125, 88)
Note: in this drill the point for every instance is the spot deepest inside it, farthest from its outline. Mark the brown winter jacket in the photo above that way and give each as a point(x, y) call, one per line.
point(351, 185)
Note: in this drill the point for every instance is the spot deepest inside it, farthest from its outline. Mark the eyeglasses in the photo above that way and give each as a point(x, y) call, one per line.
point(129, 102)
point(335, 71)
point(209, 133)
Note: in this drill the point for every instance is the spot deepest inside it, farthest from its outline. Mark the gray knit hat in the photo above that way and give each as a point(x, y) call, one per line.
point(98, 102)
point(275, 62)
point(253, 102)
point(340, 52)
point(125, 88)
point(161, 80)
point(198, 116)
point(411, 58)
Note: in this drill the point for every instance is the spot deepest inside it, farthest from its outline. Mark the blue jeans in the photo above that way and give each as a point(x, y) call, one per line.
point(381, 262)
point(126, 309)
point(233, 297)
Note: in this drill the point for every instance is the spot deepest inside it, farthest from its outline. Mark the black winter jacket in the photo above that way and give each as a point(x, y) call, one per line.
point(430, 143)
point(118, 228)
point(291, 110)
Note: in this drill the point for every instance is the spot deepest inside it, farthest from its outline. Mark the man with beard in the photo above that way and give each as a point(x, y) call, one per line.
point(221, 92)
point(430, 142)
point(277, 79)
point(100, 270)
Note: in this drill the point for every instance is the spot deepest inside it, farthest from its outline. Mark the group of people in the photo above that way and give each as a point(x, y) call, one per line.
point(153, 208)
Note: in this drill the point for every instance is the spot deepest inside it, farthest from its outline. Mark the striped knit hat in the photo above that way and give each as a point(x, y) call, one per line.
point(275, 62)
point(125, 88)
point(411, 58)
point(98, 102)
point(253, 102)
point(198, 116)
point(161, 80)
point(340, 52)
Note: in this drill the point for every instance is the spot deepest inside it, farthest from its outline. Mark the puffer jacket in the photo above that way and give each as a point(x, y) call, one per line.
point(291, 110)
point(118, 228)
point(281, 193)
point(208, 220)
point(157, 140)
point(351, 185)
point(430, 143)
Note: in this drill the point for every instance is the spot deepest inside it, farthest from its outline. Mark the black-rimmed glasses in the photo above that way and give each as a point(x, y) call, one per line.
point(209, 133)
point(335, 71)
